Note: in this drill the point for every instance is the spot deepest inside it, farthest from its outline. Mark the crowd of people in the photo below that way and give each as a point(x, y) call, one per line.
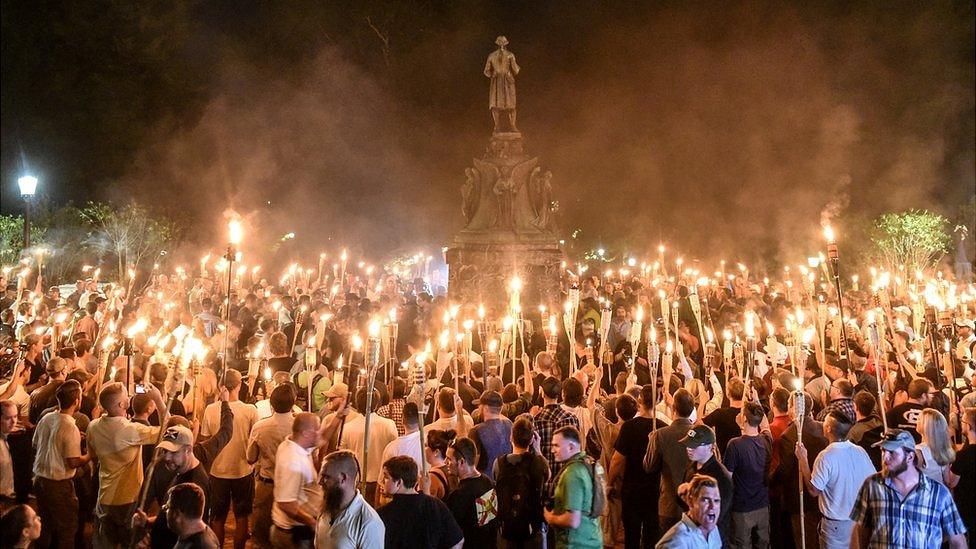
point(325, 418)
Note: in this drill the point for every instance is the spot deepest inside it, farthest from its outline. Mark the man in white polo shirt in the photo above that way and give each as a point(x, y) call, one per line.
point(57, 443)
point(838, 473)
point(347, 521)
point(297, 494)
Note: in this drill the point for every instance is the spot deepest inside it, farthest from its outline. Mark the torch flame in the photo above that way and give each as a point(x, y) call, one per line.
point(235, 231)
point(828, 232)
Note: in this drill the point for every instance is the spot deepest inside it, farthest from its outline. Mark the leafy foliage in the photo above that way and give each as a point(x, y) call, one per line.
point(131, 233)
point(12, 237)
point(916, 239)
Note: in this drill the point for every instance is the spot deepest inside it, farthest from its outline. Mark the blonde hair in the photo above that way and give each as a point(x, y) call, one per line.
point(935, 433)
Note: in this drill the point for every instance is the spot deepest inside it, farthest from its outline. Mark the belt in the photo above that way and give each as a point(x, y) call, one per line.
point(264, 480)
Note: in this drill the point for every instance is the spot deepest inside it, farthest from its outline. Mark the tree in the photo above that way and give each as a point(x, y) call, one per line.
point(131, 232)
point(12, 237)
point(916, 239)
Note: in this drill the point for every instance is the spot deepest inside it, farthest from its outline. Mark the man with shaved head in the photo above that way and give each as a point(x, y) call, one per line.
point(117, 444)
point(347, 520)
point(297, 494)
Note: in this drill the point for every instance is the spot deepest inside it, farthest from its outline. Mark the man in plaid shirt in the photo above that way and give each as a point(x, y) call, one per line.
point(900, 507)
point(841, 400)
point(394, 410)
point(550, 418)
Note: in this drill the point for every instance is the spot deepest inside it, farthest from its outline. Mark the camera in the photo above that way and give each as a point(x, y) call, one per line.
point(140, 389)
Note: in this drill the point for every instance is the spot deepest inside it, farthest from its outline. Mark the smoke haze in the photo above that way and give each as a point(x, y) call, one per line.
point(730, 130)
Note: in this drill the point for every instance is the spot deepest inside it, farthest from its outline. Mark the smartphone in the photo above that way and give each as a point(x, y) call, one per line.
point(140, 389)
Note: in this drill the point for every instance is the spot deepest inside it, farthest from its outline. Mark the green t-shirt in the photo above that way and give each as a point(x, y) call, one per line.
point(574, 492)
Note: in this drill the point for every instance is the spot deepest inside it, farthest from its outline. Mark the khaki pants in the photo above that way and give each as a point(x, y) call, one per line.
point(57, 506)
point(751, 529)
point(263, 500)
point(113, 525)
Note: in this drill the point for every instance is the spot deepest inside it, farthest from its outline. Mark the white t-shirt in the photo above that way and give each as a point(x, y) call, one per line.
point(358, 526)
point(382, 431)
point(295, 479)
point(56, 438)
point(838, 472)
point(449, 423)
point(406, 445)
point(231, 462)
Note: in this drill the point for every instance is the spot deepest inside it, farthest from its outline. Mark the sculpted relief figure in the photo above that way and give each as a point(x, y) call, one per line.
point(501, 68)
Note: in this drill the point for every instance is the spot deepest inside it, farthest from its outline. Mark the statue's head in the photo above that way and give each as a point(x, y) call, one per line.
point(501, 41)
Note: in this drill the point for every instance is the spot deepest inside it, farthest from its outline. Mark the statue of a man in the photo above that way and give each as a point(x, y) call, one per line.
point(502, 68)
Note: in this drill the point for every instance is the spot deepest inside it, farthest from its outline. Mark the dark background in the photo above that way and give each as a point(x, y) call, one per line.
point(723, 128)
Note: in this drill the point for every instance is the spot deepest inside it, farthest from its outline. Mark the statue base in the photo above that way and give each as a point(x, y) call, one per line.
point(481, 272)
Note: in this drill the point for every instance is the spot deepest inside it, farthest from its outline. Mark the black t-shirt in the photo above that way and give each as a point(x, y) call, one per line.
point(37, 369)
point(281, 363)
point(716, 470)
point(722, 421)
point(204, 539)
point(462, 504)
point(632, 444)
point(162, 536)
point(965, 468)
point(419, 520)
point(905, 416)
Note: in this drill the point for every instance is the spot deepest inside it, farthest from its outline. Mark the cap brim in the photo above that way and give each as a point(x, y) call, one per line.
point(169, 446)
point(689, 443)
point(891, 445)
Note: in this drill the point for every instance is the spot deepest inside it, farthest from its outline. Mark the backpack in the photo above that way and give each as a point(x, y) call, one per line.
point(599, 478)
point(519, 509)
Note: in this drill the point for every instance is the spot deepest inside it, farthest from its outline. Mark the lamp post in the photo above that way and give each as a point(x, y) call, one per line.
point(28, 186)
point(834, 256)
point(235, 235)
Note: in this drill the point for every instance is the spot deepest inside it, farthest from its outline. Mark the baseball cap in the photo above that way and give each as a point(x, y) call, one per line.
point(894, 439)
point(489, 398)
point(700, 435)
point(903, 310)
point(175, 438)
point(337, 390)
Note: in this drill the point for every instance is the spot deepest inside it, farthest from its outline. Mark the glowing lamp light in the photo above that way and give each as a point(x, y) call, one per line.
point(28, 185)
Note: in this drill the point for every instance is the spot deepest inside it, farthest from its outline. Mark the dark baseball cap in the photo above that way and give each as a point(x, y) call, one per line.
point(700, 435)
point(489, 398)
point(896, 438)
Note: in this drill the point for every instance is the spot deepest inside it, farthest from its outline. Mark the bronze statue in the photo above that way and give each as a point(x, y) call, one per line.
point(502, 68)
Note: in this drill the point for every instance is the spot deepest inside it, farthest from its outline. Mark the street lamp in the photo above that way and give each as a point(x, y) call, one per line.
point(28, 186)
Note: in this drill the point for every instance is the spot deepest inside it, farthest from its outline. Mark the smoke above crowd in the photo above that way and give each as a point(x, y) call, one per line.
point(725, 130)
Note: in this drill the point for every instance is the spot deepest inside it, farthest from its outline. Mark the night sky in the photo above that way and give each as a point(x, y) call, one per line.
point(726, 128)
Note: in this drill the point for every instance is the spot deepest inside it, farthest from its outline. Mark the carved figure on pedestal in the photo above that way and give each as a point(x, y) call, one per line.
point(470, 194)
point(501, 68)
point(540, 196)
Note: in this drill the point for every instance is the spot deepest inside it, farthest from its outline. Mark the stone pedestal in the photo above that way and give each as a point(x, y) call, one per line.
point(507, 204)
point(480, 273)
